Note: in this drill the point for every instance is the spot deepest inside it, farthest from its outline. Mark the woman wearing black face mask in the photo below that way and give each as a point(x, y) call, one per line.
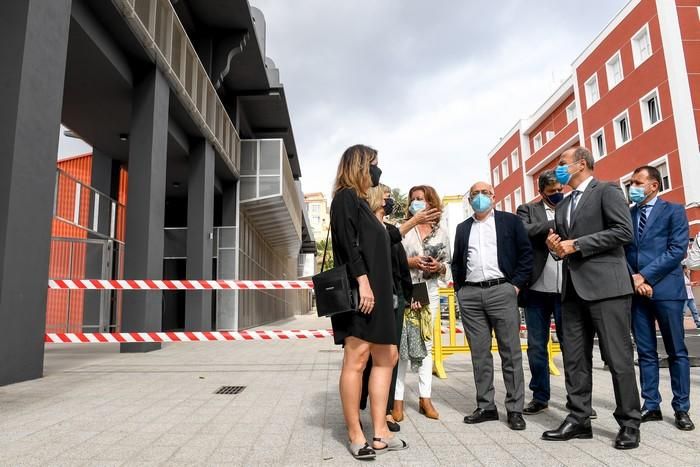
point(380, 201)
point(361, 242)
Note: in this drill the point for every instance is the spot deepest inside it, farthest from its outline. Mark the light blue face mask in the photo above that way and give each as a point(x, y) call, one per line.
point(637, 194)
point(480, 203)
point(416, 205)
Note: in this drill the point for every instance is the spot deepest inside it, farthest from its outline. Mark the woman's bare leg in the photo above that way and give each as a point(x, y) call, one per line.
point(384, 358)
point(355, 358)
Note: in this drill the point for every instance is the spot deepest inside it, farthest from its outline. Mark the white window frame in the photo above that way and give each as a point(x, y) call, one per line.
point(587, 88)
point(549, 135)
point(508, 207)
point(515, 159)
point(499, 206)
point(617, 57)
point(571, 112)
point(496, 175)
point(518, 197)
point(663, 160)
point(505, 172)
point(644, 108)
point(636, 51)
point(537, 142)
point(616, 129)
point(594, 145)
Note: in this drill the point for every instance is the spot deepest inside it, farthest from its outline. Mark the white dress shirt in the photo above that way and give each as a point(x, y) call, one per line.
point(482, 264)
point(550, 279)
point(581, 188)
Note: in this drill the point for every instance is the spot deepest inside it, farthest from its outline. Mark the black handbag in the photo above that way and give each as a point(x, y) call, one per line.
point(334, 293)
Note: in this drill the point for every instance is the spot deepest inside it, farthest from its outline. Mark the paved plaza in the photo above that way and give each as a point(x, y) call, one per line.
point(98, 407)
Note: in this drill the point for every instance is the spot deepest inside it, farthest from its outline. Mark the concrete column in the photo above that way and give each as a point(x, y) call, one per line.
point(227, 302)
point(200, 227)
point(34, 38)
point(145, 210)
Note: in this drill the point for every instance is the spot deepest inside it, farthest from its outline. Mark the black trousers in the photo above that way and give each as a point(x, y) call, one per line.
point(610, 319)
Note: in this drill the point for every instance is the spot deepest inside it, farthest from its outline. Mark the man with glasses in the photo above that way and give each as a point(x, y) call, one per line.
point(592, 226)
point(492, 261)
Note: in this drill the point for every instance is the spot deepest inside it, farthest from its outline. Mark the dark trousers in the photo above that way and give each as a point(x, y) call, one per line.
point(368, 369)
point(610, 319)
point(539, 309)
point(669, 314)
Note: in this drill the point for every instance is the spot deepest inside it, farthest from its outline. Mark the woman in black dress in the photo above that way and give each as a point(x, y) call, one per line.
point(361, 242)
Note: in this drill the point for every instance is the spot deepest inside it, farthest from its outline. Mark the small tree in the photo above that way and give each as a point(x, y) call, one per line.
point(320, 246)
point(400, 201)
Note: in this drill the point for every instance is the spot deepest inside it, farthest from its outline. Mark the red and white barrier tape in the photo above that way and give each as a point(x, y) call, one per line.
point(104, 284)
point(190, 336)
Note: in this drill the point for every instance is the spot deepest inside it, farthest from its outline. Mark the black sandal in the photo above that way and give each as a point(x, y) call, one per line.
point(362, 451)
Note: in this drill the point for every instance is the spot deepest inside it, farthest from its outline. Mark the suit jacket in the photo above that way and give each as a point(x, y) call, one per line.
point(514, 250)
point(658, 254)
point(602, 225)
point(534, 218)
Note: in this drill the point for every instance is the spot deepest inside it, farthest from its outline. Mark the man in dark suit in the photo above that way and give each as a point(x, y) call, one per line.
point(592, 226)
point(542, 298)
point(654, 258)
point(492, 261)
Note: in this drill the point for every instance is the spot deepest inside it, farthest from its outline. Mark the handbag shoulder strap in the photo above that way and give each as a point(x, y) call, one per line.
point(328, 234)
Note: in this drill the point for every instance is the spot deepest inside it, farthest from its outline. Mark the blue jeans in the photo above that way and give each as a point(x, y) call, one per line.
point(538, 316)
point(693, 310)
point(669, 314)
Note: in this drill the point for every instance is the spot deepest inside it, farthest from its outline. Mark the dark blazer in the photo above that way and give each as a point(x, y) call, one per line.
point(514, 250)
point(658, 254)
point(534, 218)
point(602, 225)
point(399, 264)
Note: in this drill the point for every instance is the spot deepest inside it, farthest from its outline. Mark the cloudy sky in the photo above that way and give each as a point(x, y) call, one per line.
point(433, 85)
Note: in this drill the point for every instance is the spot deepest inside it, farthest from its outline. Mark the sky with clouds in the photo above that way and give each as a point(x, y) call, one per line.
point(433, 85)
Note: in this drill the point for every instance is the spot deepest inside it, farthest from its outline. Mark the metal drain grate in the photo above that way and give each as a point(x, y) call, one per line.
point(230, 390)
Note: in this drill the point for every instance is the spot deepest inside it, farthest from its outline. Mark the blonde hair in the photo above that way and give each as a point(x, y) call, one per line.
point(353, 170)
point(375, 197)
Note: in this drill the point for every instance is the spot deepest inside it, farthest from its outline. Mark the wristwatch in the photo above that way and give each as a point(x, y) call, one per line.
point(577, 247)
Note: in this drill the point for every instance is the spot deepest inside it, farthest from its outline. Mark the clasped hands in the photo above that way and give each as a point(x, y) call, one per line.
point(641, 286)
point(561, 248)
point(425, 263)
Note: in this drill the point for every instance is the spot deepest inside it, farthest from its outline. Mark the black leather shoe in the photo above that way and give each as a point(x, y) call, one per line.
point(594, 414)
point(569, 430)
point(651, 416)
point(516, 421)
point(534, 407)
point(627, 438)
point(683, 421)
point(393, 426)
point(481, 415)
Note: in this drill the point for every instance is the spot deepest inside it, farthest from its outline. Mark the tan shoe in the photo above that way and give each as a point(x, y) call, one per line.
point(397, 411)
point(425, 407)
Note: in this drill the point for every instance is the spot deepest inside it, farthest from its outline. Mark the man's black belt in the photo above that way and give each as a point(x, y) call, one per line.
point(488, 283)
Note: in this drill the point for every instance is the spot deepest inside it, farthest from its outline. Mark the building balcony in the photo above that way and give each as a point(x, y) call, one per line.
point(164, 38)
point(269, 196)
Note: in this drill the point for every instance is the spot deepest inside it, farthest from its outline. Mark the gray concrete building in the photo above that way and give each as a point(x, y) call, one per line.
point(181, 95)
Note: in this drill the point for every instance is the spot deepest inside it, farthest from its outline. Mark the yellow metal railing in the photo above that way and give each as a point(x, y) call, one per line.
point(441, 351)
point(158, 27)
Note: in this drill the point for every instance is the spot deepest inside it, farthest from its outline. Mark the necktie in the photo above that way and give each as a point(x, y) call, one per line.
point(642, 219)
point(572, 206)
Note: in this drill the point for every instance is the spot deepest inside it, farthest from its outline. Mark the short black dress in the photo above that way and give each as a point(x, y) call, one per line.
point(367, 253)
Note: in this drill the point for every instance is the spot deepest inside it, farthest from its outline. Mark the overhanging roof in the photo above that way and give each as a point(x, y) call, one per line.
point(268, 116)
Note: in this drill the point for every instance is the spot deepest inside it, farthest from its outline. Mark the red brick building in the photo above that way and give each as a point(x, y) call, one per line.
point(633, 98)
